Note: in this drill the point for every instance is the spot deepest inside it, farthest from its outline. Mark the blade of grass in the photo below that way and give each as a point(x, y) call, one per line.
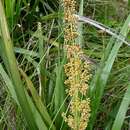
point(102, 78)
point(38, 102)
point(103, 28)
point(52, 16)
point(26, 52)
point(129, 3)
point(102, 64)
point(59, 92)
point(42, 66)
point(9, 84)
point(122, 110)
point(9, 9)
point(13, 70)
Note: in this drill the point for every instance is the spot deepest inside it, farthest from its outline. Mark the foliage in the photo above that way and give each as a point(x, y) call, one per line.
point(32, 90)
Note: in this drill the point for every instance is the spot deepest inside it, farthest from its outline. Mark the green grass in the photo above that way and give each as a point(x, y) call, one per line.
point(32, 90)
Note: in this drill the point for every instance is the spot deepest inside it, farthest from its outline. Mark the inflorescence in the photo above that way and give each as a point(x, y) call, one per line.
point(77, 72)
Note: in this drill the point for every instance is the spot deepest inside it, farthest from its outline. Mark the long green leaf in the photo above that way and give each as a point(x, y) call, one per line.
point(39, 104)
point(13, 70)
point(102, 78)
point(122, 111)
point(11, 7)
point(38, 119)
point(8, 83)
point(59, 92)
point(42, 67)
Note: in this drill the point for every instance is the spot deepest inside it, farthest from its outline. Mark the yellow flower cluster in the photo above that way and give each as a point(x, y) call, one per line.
point(70, 20)
point(69, 9)
point(78, 75)
point(77, 72)
point(83, 114)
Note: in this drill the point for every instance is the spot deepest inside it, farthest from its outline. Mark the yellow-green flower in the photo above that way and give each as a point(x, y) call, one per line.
point(77, 72)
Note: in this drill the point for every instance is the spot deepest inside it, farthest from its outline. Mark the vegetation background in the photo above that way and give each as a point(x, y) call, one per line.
point(32, 92)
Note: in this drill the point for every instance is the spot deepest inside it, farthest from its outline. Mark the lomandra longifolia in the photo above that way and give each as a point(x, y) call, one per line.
point(77, 72)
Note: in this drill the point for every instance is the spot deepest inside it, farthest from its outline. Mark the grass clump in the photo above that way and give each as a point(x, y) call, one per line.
point(58, 73)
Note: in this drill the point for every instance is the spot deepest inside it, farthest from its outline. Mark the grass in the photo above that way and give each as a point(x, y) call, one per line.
point(12, 68)
point(32, 90)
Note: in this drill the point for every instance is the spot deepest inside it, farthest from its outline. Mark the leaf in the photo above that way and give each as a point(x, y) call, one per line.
point(102, 74)
point(122, 111)
point(9, 84)
point(11, 66)
point(38, 102)
point(59, 92)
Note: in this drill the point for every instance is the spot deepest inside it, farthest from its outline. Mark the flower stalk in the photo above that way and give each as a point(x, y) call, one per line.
point(77, 72)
